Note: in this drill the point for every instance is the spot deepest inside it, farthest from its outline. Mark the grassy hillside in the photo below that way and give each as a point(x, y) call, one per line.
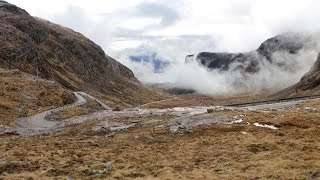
point(61, 54)
point(24, 95)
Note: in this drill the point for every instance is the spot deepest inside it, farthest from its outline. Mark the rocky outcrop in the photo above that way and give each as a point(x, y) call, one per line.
point(288, 42)
point(5, 6)
point(34, 45)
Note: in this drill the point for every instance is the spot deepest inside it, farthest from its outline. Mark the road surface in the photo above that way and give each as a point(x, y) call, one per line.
point(38, 124)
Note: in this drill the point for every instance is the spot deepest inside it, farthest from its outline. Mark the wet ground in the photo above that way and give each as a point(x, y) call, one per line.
point(185, 118)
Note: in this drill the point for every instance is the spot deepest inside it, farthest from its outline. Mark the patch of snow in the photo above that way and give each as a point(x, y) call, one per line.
point(310, 108)
point(237, 121)
point(265, 126)
point(245, 133)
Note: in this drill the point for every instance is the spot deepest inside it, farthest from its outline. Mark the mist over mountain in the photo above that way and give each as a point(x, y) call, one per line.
point(159, 57)
point(173, 30)
point(149, 89)
point(290, 43)
point(309, 83)
point(278, 63)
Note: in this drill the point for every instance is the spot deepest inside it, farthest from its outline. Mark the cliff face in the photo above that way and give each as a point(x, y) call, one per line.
point(33, 45)
point(249, 62)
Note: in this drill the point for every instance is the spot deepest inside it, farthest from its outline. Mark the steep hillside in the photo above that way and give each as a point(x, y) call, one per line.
point(308, 85)
point(33, 45)
point(251, 62)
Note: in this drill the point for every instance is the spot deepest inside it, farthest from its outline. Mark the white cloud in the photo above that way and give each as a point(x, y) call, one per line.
point(174, 29)
point(235, 21)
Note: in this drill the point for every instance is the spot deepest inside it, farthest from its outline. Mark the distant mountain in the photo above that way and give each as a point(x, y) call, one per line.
point(250, 62)
point(171, 88)
point(37, 46)
point(158, 64)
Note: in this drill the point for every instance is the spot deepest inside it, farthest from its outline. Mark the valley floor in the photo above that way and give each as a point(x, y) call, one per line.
point(233, 143)
point(196, 99)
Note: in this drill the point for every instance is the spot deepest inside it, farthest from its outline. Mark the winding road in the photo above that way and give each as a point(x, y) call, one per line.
point(38, 124)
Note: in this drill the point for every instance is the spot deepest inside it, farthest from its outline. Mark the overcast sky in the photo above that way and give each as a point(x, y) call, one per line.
point(176, 28)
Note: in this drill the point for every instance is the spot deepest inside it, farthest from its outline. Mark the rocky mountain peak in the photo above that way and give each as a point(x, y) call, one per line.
point(249, 62)
point(7, 7)
point(289, 42)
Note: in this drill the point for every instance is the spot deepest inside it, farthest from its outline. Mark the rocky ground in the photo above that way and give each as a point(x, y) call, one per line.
point(228, 143)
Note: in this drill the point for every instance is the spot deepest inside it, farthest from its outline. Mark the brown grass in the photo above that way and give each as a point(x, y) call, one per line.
point(90, 107)
point(209, 152)
point(204, 100)
point(20, 95)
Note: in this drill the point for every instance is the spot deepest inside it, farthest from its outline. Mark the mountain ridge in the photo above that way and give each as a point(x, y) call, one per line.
point(54, 52)
point(248, 62)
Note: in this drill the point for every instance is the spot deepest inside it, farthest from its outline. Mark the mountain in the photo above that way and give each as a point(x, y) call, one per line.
point(158, 64)
point(308, 85)
point(54, 52)
point(171, 88)
point(250, 62)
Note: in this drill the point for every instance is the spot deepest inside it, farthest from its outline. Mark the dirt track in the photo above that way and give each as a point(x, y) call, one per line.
point(38, 124)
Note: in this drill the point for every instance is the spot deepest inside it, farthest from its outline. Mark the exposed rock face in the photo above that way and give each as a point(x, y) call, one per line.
point(288, 42)
point(249, 62)
point(5, 6)
point(32, 44)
